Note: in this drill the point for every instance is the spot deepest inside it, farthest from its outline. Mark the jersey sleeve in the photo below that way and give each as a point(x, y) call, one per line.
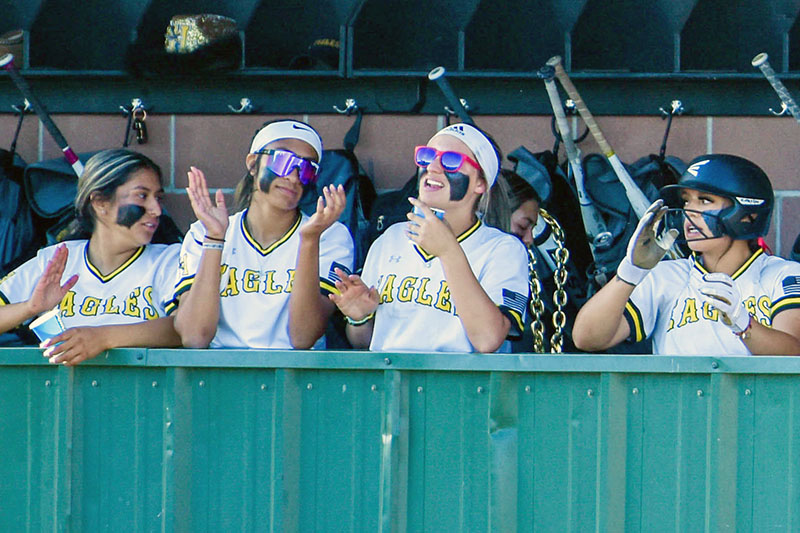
point(17, 286)
point(505, 281)
point(786, 290)
point(335, 251)
point(164, 280)
point(188, 261)
point(641, 310)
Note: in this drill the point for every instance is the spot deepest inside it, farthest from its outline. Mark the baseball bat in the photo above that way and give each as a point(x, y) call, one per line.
point(636, 197)
point(438, 75)
point(760, 61)
point(7, 63)
point(598, 235)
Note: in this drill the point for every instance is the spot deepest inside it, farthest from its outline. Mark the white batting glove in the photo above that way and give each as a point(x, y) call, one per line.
point(646, 249)
point(720, 292)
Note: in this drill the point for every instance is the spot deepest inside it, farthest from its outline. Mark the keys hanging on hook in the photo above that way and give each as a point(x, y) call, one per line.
point(139, 114)
point(350, 105)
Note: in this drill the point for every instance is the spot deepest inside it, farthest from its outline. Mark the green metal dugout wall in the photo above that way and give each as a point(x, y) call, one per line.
point(181, 440)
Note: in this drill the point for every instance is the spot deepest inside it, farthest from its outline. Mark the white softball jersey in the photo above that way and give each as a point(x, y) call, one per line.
point(668, 306)
point(416, 312)
point(140, 289)
point(256, 282)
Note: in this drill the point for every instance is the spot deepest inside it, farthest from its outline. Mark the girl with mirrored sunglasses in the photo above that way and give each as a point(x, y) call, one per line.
point(445, 280)
point(729, 297)
point(259, 278)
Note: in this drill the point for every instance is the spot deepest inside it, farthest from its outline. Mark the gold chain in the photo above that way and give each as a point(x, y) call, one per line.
point(536, 304)
point(560, 278)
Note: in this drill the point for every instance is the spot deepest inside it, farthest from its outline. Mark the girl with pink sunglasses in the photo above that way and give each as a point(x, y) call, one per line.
point(443, 281)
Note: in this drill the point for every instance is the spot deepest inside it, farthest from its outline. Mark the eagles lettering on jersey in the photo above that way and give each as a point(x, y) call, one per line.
point(668, 305)
point(416, 311)
point(140, 289)
point(256, 282)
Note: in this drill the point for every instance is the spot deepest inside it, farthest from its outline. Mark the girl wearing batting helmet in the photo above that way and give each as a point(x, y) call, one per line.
point(728, 297)
point(259, 278)
point(111, 286)
point(443, 281)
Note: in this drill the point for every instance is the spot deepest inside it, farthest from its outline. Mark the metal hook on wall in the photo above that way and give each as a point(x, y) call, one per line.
point(137, 114)
point(676, 108)
point(26, 107)
point(464, 103)
point(245, 106)
point(784, 110)
point(350, 105)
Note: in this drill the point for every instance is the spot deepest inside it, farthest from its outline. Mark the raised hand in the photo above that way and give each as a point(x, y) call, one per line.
point(329, 207)
point(355, 300)
point(646, 248)
point(49, 291)
point(214, 216)
point(428, 231)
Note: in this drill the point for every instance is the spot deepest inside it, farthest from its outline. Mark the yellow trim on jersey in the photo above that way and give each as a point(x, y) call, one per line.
point(635, 316)
point(3, 300)
point(783, 304)
point(111, 276)
point(171, 306)
point(738, 272)
point(427, 257)
point(183, 285)
point(516, 316)
point(328, 286)
point(271, 247)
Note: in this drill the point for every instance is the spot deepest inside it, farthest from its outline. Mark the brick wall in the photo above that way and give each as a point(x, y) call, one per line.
point(218, 143)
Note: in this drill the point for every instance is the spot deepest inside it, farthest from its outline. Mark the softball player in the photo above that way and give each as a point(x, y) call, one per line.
point(259, 278)
point(728, 298)
point(115, 281)
point(444, 281)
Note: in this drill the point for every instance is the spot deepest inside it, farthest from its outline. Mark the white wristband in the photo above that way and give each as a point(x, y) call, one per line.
point(213, 246)
point(630, 273)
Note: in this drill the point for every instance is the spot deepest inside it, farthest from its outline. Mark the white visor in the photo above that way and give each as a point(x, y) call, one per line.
point(287, 129)
point(480, 145)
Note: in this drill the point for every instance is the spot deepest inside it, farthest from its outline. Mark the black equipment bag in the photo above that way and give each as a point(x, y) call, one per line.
point(341, 167)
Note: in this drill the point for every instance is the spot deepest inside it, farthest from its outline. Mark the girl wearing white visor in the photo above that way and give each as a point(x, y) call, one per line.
point(260, 278)
point(443, 281)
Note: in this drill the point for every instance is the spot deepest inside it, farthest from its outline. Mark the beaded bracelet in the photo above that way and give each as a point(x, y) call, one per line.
point(745, 333)
point(213, 246)
point(360, 322)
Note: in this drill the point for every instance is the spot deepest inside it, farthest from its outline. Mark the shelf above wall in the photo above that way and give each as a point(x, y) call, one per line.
point(626, 57)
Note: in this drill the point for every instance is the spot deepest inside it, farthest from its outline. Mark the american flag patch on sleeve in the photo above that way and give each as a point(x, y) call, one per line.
point(791, 285)
point(515, 301)
point(332, 274)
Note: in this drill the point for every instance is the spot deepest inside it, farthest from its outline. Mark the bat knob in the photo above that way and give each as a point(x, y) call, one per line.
point(760, 59)
point(436, 73)
point(547, 72)
point(6, 59)
point(554, 61)
point(602, 240)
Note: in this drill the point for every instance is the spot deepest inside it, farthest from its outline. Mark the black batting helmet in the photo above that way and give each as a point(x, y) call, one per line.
point(736, 178)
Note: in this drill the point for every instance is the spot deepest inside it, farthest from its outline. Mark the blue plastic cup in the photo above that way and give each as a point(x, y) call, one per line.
point(48, 325)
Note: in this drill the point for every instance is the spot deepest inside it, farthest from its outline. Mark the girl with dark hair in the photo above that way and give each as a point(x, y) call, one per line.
point(445, 280)
point(113, 287)
point(260, 278)
point(727, 298)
